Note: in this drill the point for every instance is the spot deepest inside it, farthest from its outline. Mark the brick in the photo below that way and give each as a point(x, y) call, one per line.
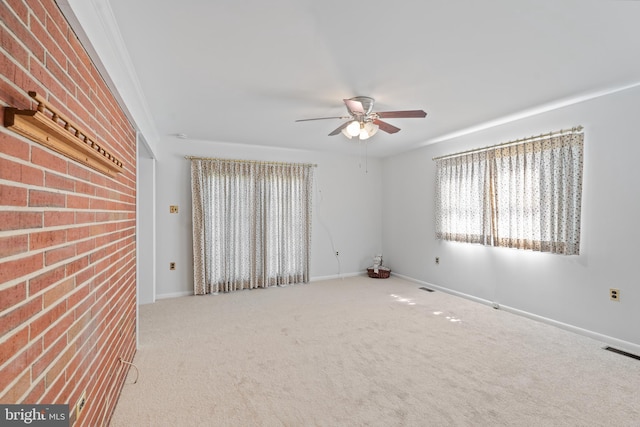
point(82, 308)
point(19, 220)
point(38, 11)
point(23, 79)
point(78, 295)
point(13, 196)
point(56, 20)
point(58, 366)
point(45, 239)
point(60, 75)
point(14, 48)
point(19, 315)
point(22, 361)
point(41, 364)
point(99, 180)
point(58, 292)
point(33, 397)
point(40, 198)
point(86, 188)
point(77, 202)
point(53, 180)
point(48, 160)
point(13, 295)
point(54, 44)
point(80, 172)
point(59, 329)
point(84, 276)
point(78, 233)
point(54, 63)
point(14, 147)
point(11, 270)
point(16, 6)
point(13, 245)
point(46, 279)
point(17, 172)
point(47, 317)
point(42, 76)
point(85, 247)
point(54, 256)
point(81, 59)
point(26, 37)
point(14, 343)
point(77, 265)
point(57, 218)
point(85, 217)
point(53, 386)
point(80, 111)
point(15, 392)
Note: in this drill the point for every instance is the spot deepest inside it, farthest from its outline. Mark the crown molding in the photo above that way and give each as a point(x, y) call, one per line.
point(561, 103)
point(95, 26)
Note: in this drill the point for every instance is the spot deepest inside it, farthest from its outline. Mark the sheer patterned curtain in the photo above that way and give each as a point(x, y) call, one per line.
point(525, 195)
point(463, 211)
point(251, 224)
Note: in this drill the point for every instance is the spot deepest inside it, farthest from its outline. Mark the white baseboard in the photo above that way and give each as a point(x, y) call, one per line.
point(446, 290)
point(312, 279)
point(174, 295)
point(614, 342)
point(336, 276)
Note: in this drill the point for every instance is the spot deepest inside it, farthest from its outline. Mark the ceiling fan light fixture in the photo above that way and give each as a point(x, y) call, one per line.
point(367, 130)
point(354, 128)
point(371, 128)
point(345, 133)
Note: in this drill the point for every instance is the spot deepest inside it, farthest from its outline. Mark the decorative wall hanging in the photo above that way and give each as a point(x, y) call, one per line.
point(52, 129)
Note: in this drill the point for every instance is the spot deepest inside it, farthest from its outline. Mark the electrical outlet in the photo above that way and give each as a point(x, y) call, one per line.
point(437, 260)
point(173, 209)
point(337, 253)
point(81, 404)
point(614, 294)
point(172, 266)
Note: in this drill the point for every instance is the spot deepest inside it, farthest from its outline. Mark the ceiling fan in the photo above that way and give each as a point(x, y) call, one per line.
point(363, 121)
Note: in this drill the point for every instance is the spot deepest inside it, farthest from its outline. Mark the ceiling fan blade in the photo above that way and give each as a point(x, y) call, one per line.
point(355, 106)
point(339, 129)
point(401, 114)
point(322, 118)
point(386, 126)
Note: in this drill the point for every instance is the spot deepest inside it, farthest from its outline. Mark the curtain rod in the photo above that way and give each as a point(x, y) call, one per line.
point(249, 161)
point(515, 141)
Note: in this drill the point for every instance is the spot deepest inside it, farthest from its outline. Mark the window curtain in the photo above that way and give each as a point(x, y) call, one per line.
point(463, 209)
point(251, 224)
point(525, 195)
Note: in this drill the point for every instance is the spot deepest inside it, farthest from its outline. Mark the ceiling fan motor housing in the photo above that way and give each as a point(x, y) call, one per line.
point(366, 103)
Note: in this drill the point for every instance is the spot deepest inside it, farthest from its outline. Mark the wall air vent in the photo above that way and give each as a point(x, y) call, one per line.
point(622, 352)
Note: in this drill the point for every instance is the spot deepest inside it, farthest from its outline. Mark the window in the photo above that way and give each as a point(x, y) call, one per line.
point(524, 195)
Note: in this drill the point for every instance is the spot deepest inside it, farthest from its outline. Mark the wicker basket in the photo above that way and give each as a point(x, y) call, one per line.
point(383, 272)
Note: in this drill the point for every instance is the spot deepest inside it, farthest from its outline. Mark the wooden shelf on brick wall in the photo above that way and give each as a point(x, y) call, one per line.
point(48, 127)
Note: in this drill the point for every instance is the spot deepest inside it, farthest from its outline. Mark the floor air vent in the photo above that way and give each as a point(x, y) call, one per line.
point(622, 352)
point(426, 289)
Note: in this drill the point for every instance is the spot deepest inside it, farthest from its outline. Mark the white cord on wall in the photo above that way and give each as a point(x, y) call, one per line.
point(321, 222)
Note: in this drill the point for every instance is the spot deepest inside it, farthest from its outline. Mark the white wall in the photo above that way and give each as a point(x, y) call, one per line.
point(146, 229)
point(347, 214)
point(572, 291)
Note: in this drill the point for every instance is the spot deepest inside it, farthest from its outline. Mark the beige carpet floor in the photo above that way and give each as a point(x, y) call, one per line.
point(367, 352)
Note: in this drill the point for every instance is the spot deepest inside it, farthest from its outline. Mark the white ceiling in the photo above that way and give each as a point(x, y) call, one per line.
point(243, 71)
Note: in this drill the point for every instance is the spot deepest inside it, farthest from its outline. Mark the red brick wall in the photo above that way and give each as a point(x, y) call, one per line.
point(67, 233)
